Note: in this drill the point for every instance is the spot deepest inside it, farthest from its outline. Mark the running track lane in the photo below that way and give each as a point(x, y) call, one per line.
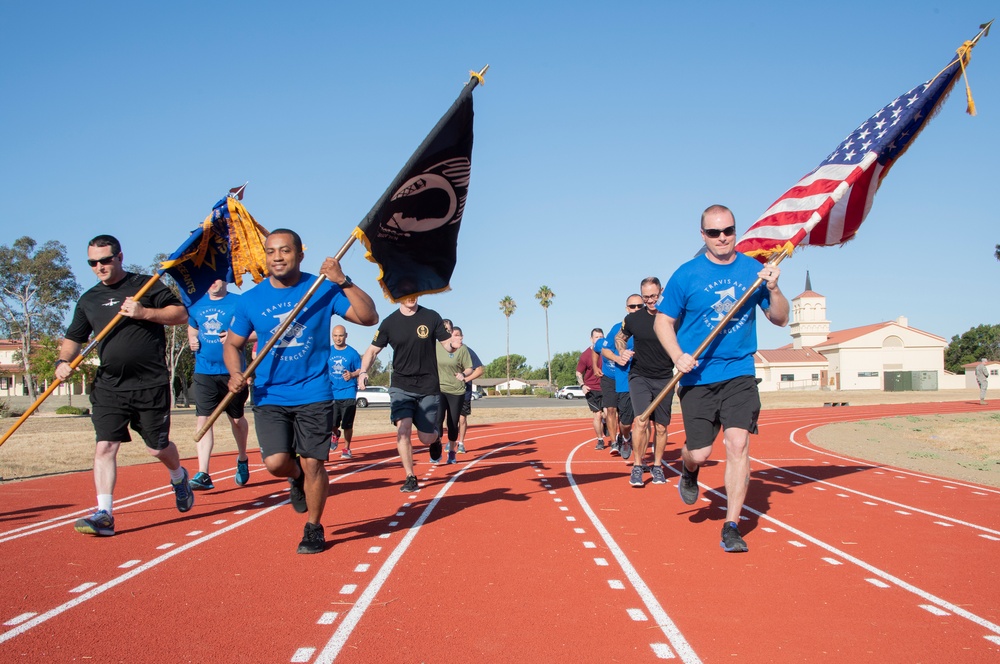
point(533, 547)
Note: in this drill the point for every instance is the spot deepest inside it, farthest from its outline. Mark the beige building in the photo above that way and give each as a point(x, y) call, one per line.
point(12, 380)
point(853, 359)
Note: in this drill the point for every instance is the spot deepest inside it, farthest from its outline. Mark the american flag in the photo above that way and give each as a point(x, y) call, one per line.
point(827, 206)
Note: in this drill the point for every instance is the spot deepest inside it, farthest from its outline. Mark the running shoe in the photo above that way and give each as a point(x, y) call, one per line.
point(410, 484)
point(600, 444)
point(296, 491)
point(435, 451)
point(451, 457)
point(99, 523)
point(626, 449)
point(346, 454)
point(335, 440)
point(731, 540)
point(201, 482)
point(183, 493)
point(657, 472)
point(461, 447)
point(313, 540)
point(635, 479)
point(242, 472)
point(687, 484)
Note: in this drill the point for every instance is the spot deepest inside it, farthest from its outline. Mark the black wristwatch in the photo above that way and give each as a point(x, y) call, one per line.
point(347, 282)
point(58, 362)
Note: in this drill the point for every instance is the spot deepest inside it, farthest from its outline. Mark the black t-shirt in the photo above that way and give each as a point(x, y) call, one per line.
point(650, 360)
point(133, 355)
point(414, 354)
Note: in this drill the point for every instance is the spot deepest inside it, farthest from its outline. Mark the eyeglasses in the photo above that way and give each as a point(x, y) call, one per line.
point(107, 260)
point(634, 306)
point(653, 296)
point(716, 232)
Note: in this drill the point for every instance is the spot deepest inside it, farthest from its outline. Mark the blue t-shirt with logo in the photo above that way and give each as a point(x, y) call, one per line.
point(297, 369)
point(347, 359)
point(211, 318)
point(620, 372)
point(698, 295)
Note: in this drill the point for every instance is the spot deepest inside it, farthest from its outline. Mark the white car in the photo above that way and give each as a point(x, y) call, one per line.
point(372, 395)
point(571, 392)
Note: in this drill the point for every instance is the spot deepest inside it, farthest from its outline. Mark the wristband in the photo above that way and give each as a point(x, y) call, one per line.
point(58, 362)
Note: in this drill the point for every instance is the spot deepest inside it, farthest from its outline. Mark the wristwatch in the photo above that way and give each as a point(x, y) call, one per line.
point(58, 362)
point(347, 282)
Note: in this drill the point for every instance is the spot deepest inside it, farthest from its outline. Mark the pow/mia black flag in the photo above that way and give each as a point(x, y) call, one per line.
point(412, 231)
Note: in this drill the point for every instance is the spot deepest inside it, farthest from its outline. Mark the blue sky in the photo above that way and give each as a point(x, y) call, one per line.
point(602, 133)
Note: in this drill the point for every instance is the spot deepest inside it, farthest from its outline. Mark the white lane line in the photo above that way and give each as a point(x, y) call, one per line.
point(302, 655)
point(165, 546)
point(877, 583)
point(615, 584)
point(219, 522)
point(662, 650)
point(571, 518)
point(930, 608)
point(833, 561)
point(795, 543)
point(945, 524)
point(601, 562)
point(589, 545)
point(339, 638)
point(348, 589)
point(83, 586)
point(579, 531)
point(129, 563)
point(17, 620)
point(328, 618)
point(990, 537)
point(363, 567)
point(663, 621)
point(374, 549)
point(134, 572)
point(637, 615)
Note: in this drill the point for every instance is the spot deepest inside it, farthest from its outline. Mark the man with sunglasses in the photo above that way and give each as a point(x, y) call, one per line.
point(616, 396)
point(719, 389)
point(132, 385)
point(651, 370)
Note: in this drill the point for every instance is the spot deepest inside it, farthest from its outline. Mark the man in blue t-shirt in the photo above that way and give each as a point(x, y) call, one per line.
point(719, 389)
point(208, 322)
point(292, 393)
point(345, 367)
point(622, 364)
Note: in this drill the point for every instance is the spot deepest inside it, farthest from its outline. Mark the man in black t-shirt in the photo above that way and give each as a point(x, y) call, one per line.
point(132, 386)
point(411, 331)
point(651, 370)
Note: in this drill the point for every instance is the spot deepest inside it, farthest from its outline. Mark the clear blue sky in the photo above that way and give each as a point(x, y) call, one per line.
point(602, 132)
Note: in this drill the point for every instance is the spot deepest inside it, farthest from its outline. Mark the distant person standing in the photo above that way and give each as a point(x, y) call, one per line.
point(345, 367)
point(208, 323)
point(292, 392)
point(719, 389)
point(983, 378)
point(413, 332)
point(588, 374)
point(132, 385)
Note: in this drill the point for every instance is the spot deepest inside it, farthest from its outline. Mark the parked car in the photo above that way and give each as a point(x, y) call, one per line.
point(571, 392)
point(373, 395)
point(478, 393)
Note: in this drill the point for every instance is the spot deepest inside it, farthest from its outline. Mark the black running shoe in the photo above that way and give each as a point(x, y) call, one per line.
point(731, 540)
point(296, 491)
point(600, 444)
point(312, 539)
point(435, 451)
point(410, 485)
point(687, 484)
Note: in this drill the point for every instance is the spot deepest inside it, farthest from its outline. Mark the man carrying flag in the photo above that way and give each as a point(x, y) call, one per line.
point(719, 390)
point(292, 392)
point(132, 386)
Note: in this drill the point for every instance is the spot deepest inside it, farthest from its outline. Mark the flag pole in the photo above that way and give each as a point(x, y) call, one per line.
point(475, 78)
point(775, 260)
point(78, 359)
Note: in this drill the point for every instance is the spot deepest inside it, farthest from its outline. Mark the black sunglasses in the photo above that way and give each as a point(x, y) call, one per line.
point(716, 232)
point(634, 306)
point(107, 260)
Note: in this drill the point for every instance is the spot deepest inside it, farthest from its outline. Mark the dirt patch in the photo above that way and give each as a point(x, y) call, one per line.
point(963, 447)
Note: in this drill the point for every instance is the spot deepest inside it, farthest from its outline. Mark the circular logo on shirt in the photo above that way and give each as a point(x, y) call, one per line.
point(423, 332)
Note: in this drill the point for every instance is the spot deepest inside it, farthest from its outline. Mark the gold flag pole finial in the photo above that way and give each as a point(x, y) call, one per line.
point(479, 75)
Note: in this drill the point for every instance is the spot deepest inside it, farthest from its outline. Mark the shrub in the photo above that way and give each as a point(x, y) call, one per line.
point(70, 410)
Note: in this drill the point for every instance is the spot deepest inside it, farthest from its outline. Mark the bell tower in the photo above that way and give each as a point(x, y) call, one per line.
point(809, 325)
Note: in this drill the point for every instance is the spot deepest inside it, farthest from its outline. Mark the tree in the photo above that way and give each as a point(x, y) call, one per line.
point(36, 290)
point(177, 339)
point(564, 368)
point(980, 341)
point(378, 374)
point(508, 306)
point(544, 297)
point(516, 367)
point(43, 364)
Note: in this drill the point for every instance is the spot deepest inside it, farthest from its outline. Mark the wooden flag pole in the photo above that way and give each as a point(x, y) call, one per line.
point(646, 414)
point(262, 352)
point(78, 359)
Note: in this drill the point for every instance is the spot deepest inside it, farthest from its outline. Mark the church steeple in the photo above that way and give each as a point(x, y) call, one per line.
point(808, 283)
point(809, 325)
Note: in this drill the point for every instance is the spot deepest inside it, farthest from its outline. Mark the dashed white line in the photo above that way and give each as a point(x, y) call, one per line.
point(393, 524)
point(193, 533)
point(219, 522)
point(571, 518)
point(17, 620)
point(615, 584)
point(374, 549)
point(348, 589)
point(637, 615)
point(129, 563)
point(303, 655)
point(930, 608)
point(877, 583)
point(601, 562)
point(83, 586)
point(903, 512)
point(990, 537)
point(833, 561)
point(579, 531)
point(363, 567)
point(868, 502)
point(589, 545)
point(798, 544)
point(165, 546)
point(946, 525)
point(768, 530)
point(662, 650)
point(328, 618)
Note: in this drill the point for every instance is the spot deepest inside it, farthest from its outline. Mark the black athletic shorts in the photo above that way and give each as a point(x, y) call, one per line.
point(643, 390)
point(344, 411)
point(610, 398)
point(625, 413)
point(595, 401)
point(146, 411)
point(211, 389)
point(730, 404)
point(466, 405)
point(304, 430)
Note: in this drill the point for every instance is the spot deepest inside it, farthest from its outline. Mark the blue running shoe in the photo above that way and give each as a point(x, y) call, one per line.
point(451, 456)
point(242, 472)
point(100, 523)
point(201, 482)
point(183, 493)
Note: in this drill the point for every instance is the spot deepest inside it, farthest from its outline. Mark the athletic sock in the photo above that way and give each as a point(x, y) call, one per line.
point(176, 475)
point(104, 502)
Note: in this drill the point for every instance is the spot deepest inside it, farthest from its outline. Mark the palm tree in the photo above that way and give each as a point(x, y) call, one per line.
point(507, 306)
point(544, 297)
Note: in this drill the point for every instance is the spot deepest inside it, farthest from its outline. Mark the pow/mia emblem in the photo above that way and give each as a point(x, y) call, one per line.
point(423, 331)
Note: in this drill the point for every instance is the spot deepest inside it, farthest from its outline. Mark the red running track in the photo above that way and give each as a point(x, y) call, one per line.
point(533, 548)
